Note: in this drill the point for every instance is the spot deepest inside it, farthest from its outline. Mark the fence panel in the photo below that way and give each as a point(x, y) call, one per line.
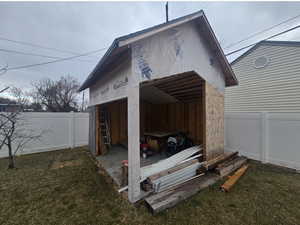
point(60, 130)
point(268, 137)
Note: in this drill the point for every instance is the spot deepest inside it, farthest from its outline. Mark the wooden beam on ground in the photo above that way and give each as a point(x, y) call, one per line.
point(169, 198)
point(228, 167)
point(213, 163)
point(234, 178)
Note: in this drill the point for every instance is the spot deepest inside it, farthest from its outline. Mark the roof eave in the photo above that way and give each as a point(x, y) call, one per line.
point(112, 47)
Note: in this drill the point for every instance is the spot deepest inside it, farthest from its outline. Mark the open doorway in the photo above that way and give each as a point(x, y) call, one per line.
point(171, 119)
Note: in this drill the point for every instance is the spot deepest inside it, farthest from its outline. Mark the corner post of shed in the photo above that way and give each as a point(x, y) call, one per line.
point(133, 137)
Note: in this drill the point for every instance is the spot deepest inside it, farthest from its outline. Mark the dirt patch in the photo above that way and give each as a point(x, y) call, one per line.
point(59, 165)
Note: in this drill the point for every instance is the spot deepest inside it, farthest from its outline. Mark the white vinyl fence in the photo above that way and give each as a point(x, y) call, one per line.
point(60, 130)
point(268, 137)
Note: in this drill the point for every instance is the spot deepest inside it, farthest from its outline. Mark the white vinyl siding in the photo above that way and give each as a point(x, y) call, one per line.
point(274, 88)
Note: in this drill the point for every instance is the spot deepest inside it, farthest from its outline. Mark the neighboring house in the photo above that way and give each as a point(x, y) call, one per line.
point(170, 77)
point(269, 79)
point(7, 107)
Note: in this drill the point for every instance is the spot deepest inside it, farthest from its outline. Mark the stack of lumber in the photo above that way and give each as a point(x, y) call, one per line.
point(183, 180)
point(181, 157)
point(229, 166)
point(172, 171)
point(174, 176)
point(172, 196)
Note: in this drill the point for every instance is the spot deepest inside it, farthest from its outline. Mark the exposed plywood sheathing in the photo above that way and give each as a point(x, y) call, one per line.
point(186, 117)
point(214, 122)
point(117, 112)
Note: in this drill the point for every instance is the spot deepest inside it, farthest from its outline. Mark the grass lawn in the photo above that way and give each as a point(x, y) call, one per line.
point(41, 192)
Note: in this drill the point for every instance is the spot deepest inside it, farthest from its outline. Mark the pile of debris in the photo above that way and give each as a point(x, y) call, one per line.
point(184, 174)
point(172, 171)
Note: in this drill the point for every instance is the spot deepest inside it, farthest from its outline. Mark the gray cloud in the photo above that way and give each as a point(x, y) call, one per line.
point(83, 27)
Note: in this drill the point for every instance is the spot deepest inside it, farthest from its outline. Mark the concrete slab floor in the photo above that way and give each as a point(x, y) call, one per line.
point(112, 161)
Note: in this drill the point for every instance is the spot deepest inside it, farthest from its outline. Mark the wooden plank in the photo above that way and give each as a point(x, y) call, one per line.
point(168, 79)
point(234, 178)
point(188, 94)
point(123, 121)
point(163, 82)
point(171, 197)
point(195, 89)
point(198, 123)
point(232, 165)
point(213, 163)
point(190, 83)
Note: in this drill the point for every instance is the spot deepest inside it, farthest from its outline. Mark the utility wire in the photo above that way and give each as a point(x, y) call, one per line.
point(38, 46)
point(4, 89)
point(33, 54)
point(262, 31)
point(275, 35)
point(54, 61)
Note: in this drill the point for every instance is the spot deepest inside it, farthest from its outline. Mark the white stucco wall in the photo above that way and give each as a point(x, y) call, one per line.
point(112, 86)
point(174, 51)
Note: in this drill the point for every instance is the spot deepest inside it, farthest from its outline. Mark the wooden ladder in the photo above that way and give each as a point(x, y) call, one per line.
point(104, 128)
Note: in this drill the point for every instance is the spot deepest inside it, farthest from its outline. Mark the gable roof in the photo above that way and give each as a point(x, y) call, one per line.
point(265, 42)
point(119, 48)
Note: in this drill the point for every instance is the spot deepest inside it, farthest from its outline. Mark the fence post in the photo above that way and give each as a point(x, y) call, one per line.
point(264, 137)
point(72, 130)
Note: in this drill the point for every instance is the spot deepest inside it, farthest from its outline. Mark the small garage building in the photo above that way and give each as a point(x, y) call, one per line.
point(167, 78)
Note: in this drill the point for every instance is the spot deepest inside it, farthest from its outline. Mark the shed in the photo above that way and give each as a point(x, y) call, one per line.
point(164, 79)
point(269, 79)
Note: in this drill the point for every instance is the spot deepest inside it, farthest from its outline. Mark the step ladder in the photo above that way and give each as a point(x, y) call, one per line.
point(104, 128)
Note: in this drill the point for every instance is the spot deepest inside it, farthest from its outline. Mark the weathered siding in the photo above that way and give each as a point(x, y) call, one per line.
point(274, 88)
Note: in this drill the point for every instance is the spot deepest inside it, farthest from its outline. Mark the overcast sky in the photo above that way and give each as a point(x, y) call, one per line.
point(83, 27)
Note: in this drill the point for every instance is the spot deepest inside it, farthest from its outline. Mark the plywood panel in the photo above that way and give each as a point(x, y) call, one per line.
point(117, 112)
point(214, 122)
point(184, 117)
point(123, 120)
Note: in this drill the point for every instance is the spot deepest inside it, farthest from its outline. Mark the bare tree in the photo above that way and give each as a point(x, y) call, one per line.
point(57, 96)
point(14, 132)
